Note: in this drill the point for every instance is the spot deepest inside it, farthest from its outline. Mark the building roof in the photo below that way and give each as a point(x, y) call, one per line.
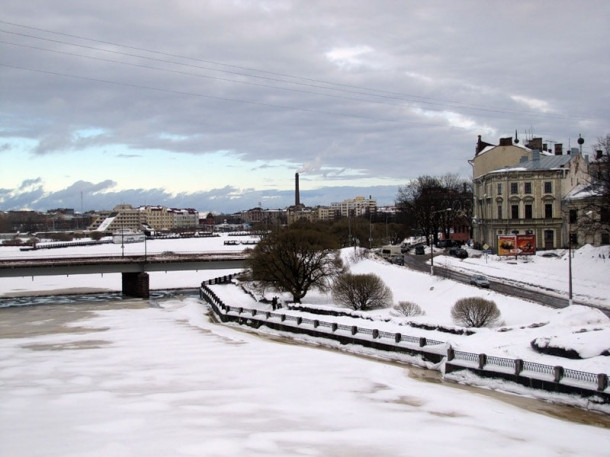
point(584, 191)
point(545, 162)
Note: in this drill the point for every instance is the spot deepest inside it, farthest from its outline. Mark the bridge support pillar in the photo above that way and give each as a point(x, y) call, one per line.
point(135, 285)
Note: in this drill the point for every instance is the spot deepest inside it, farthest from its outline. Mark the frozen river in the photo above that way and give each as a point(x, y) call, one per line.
point(123, 378)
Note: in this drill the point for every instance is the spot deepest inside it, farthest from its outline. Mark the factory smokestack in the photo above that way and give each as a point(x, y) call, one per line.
point(297, 196)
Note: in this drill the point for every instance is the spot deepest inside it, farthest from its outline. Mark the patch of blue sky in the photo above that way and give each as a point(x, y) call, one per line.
point(174, 137)
point(90, 132)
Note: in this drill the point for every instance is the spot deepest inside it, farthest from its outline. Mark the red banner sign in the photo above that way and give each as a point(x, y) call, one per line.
point(516, 245)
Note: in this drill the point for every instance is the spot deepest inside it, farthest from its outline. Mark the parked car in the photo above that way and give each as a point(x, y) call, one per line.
point(479, 281)
point(461, 253)
point(419, 250)
point(458, 252)
point(397, 260)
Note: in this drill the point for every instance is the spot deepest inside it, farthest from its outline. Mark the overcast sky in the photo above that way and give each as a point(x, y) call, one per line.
point(216, 104)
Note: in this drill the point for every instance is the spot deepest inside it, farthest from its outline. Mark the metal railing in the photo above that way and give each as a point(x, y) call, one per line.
point(592, 381)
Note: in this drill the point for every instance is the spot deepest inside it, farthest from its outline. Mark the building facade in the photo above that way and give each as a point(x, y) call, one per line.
point(521, 190)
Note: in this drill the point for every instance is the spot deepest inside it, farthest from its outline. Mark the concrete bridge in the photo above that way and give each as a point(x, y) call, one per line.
point(134, 269)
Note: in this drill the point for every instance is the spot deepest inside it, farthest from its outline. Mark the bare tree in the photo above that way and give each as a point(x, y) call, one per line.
point(295, 260)
point(432, 205)
point(361, 292)
point(475, 312)
point(595, 206)
point(418, 200)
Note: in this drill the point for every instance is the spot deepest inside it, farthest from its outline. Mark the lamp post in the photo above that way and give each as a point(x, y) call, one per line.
point(122, 237)
point(432, 239)
point(145, 237)
point(569, 261)
point(431, 254)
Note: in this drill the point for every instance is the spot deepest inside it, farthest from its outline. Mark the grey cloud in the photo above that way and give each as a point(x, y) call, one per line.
point(257, 82)
point(85, 196)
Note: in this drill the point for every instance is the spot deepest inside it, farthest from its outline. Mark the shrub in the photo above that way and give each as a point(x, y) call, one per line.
point(408, 309)
point(361, 292)
point(475, 312)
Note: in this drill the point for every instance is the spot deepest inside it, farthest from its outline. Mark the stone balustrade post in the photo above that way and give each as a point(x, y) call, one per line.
point(602, 381)
point(557, 373)
point(482, 361)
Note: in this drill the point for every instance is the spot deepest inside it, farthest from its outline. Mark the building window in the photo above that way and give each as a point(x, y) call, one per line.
point(528, 188)
point(500, 188)
point(499, 211)
point(548, 211)
point(528, 211)
point(514, 211)
point(573, 216)
point(514, 188)
point(549, 239)
point(548, 187)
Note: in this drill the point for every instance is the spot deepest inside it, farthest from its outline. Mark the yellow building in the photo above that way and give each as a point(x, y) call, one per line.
point(521, 189)
point(157, 217)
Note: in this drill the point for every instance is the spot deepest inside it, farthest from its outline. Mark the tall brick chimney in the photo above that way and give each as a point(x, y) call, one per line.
point(297, 195)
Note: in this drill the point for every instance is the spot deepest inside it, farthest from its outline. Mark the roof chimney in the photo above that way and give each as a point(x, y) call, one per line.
point(558, 149)
point(297, 196)
point(535, 143)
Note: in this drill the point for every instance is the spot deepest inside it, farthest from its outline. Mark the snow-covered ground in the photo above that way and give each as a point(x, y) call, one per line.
point(129, 379)
point(142, 381)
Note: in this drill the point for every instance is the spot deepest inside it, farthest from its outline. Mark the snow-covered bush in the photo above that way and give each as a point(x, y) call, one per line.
point(408, 309)
point(361, 292)
point(475, 312)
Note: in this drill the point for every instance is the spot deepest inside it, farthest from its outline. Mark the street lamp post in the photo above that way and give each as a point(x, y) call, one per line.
point(145, 248)
point(431, 254)
point(432, 239)
point(569, 268)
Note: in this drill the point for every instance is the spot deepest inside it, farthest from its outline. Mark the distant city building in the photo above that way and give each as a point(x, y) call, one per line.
point(158, 218)
point(358, 206)
point(354, 207)
point(122, 217)
point(262, 218)
point(184, 219)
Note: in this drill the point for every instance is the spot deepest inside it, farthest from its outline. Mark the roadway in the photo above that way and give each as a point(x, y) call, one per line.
point(420, 263)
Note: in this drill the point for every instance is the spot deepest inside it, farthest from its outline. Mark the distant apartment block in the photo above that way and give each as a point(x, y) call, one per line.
point(358, 206)
point(158, 218)
point(354, 207)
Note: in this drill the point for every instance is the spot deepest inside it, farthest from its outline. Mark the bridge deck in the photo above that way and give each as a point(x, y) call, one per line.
point(119, 264)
